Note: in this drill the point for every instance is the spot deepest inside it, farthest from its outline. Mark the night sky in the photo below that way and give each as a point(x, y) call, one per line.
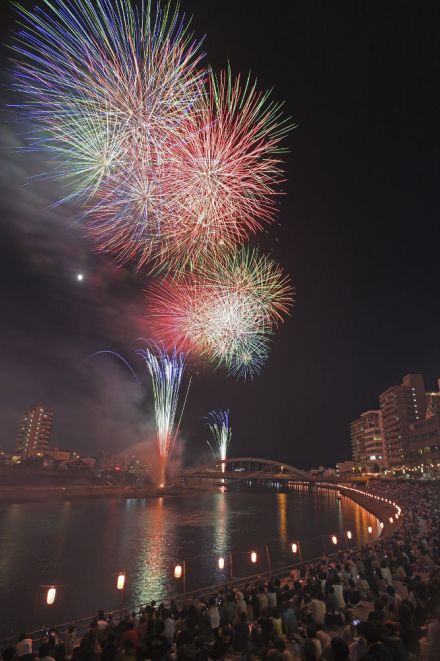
point(358, 232)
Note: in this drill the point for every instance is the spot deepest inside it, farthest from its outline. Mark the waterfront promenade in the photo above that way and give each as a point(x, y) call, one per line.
point(393, 581)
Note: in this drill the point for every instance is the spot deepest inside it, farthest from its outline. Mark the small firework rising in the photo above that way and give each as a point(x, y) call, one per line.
point(218, 423)
point(166, 371)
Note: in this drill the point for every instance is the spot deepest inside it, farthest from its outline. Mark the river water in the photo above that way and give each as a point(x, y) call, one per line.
point(80, 546)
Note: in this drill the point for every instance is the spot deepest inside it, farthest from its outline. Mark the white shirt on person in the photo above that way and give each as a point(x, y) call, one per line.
point(214, 617)
point(339, 596)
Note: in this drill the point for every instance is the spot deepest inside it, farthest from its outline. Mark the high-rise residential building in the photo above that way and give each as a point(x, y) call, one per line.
point(366, 437)
point(34, 431)
point(400, 407)
point(424, 435)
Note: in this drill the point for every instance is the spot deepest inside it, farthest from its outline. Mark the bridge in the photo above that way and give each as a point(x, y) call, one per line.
point(245, 469)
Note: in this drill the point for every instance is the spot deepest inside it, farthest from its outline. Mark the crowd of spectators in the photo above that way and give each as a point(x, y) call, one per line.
point(378, 602)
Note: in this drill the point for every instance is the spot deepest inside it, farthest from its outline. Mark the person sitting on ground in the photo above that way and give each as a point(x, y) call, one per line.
point(337, 651)
point(24, 647)
point(271, 596)
point(9, 654)
point(318, 609)
point(338, 591)
point(371, 632)
point(332, 601)
point(70, 640)
point(352, 596)
point(288, 616)
point(349, 632)
point(128, 653)
point(241, 634)
point(266, 627)
point(378, 613)
point(131, 634)
point(277, 624)
point(262, 598)
point(309, 650)
point(101, 622)
point(169, 625)
point(43, 653)
point(158, 644)
point(362, 587)
point(323, 637)
point(393, 642)
point(109, 649)
point(311, 635)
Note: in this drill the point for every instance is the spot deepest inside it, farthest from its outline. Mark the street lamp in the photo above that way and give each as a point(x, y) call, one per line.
point(253, 557)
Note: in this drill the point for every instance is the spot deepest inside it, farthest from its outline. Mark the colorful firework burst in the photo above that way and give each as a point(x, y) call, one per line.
point(108, 87)
point(226, 312)
point(226, 163)
point(218, 423)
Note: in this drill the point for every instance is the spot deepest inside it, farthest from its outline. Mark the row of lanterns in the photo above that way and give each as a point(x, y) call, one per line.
point(381, 498)
point(180, 569)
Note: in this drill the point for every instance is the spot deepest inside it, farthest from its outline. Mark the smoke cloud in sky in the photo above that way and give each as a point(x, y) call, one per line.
point(52, 321)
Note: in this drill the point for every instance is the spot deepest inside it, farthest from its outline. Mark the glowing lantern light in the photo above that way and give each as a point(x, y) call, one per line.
point(120, 581)
point(370, 529)
point(349, 535)
point(221, 563)
point(253, 557)
point(51, 594)
point(294, 548)
point(381, 524)
point(334, 539)
point(178, 571)
point(391, 519)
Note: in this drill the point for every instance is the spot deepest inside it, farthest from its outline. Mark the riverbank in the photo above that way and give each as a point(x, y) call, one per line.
point(35, 494)
point(410, 540)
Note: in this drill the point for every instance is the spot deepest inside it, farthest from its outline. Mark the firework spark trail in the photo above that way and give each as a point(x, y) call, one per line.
point(218, 423)
point(225, 312)
point(166, 372)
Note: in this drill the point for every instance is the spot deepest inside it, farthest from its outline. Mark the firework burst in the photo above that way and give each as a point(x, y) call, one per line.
point(226, 312)
point(226, 162)
point(107, 88)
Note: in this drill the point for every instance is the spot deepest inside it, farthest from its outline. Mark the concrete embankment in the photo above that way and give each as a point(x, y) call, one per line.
point(382, 510)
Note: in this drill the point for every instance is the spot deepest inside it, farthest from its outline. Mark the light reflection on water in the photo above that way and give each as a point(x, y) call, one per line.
point(82, 545)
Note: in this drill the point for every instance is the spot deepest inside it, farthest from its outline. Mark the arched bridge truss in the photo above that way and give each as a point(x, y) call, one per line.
point(248, 468)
